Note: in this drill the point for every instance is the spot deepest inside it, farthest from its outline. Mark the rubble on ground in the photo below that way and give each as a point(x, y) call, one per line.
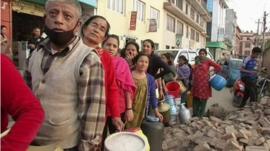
point(247, 129)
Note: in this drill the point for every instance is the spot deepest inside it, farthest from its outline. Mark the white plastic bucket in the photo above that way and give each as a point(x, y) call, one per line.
point(124, 141)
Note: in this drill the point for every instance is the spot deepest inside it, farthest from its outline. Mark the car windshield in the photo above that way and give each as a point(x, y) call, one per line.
point(192, 56)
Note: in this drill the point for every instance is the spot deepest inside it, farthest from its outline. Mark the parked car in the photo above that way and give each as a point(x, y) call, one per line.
point(188, 53)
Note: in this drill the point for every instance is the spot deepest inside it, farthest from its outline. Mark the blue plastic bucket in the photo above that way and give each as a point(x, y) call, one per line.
point(218, 82)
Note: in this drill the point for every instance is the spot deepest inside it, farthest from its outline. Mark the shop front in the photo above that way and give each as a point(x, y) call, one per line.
point(28, 14)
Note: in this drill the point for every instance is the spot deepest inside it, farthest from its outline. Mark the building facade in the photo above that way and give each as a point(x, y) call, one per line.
point(216, 28)
point(230, 30)
point(247, 43)
point(169, 23)
point(238, 46)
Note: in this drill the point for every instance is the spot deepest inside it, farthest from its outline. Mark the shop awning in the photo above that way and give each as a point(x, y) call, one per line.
point(216, 45)
point(92, 3)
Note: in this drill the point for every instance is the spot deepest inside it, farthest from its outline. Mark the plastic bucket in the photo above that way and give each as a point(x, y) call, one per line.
point(173, 88)
point(123, 141)
point(218, 82)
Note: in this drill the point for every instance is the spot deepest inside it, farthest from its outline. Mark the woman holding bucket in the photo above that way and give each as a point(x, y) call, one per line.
point(201, 89)
point(183, 74)
point(145, 92)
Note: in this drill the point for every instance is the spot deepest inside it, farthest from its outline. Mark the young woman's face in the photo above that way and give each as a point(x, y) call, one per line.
point(181, 61)
point(131, 51)
point(163, 58)
point(202, 54)
point(142, 63)
point(111, 45)
point(147, 48)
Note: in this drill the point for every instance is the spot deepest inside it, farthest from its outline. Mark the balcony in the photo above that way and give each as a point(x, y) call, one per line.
point(200, 6)
point(172, 8)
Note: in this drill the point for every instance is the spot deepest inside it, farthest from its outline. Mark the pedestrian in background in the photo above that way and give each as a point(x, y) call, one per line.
point(124, 81)
point(167, 58)
point(68, 78)
point(145, 92)
point(94, 31)
point(35, 40)
point(201, 89)
point(183, 75)
point(5, 44)
point(18, 101)
point(156, 64)
point(249, 76)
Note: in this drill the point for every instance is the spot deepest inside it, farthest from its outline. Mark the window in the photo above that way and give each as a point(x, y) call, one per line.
point(192, 35)
point(202, 23)
point(198, 18)
point(139, 6)
point(116, 5)
point(179, 4)
point(247, 45)
point(187, 8)
point(192, 13)
point(170, 23)
point(197, 36)
point(179, 29)
point(154, 14)
point(167, 47)
point(187, 32)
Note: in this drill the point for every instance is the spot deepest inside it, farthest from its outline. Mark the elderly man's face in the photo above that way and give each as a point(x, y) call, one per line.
point(61, 17)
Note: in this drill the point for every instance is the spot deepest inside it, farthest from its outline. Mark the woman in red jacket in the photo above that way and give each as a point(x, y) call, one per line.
point(201, 89)
point(18, 101)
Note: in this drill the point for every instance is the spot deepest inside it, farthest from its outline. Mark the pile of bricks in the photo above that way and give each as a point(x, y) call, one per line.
point(247, 129)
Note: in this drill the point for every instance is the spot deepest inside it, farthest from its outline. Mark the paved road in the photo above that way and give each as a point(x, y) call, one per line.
point(223, 98)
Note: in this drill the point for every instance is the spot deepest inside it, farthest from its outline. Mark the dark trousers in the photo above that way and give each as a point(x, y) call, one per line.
point(109, 125)
point(198, 106)
point(250, 90)
point(72, 149)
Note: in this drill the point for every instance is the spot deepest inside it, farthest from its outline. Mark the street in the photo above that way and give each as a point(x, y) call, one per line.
point(223, 98)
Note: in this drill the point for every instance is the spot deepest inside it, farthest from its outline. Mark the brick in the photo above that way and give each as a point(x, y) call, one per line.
point(230, 129)
point(245, 133)
point(202, 147)
point(256, 148)
point(265, 130)
point(232, 146)
point(267, 111)
point(229, 136)
point(215, 119)
point(244, 141)
point(260, 141)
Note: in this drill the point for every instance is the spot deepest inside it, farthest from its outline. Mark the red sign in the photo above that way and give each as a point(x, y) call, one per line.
point(133, 20)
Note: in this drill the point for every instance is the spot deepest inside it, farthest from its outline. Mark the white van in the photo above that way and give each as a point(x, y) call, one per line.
point(188, 53)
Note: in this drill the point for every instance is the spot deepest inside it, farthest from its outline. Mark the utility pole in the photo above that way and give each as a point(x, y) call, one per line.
point(264, 29)
point(258, 37)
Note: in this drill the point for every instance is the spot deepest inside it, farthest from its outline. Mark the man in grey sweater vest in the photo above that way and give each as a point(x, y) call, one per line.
point(68, 78)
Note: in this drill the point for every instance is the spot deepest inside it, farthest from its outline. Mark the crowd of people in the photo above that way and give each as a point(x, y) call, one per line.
point(82, 84)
